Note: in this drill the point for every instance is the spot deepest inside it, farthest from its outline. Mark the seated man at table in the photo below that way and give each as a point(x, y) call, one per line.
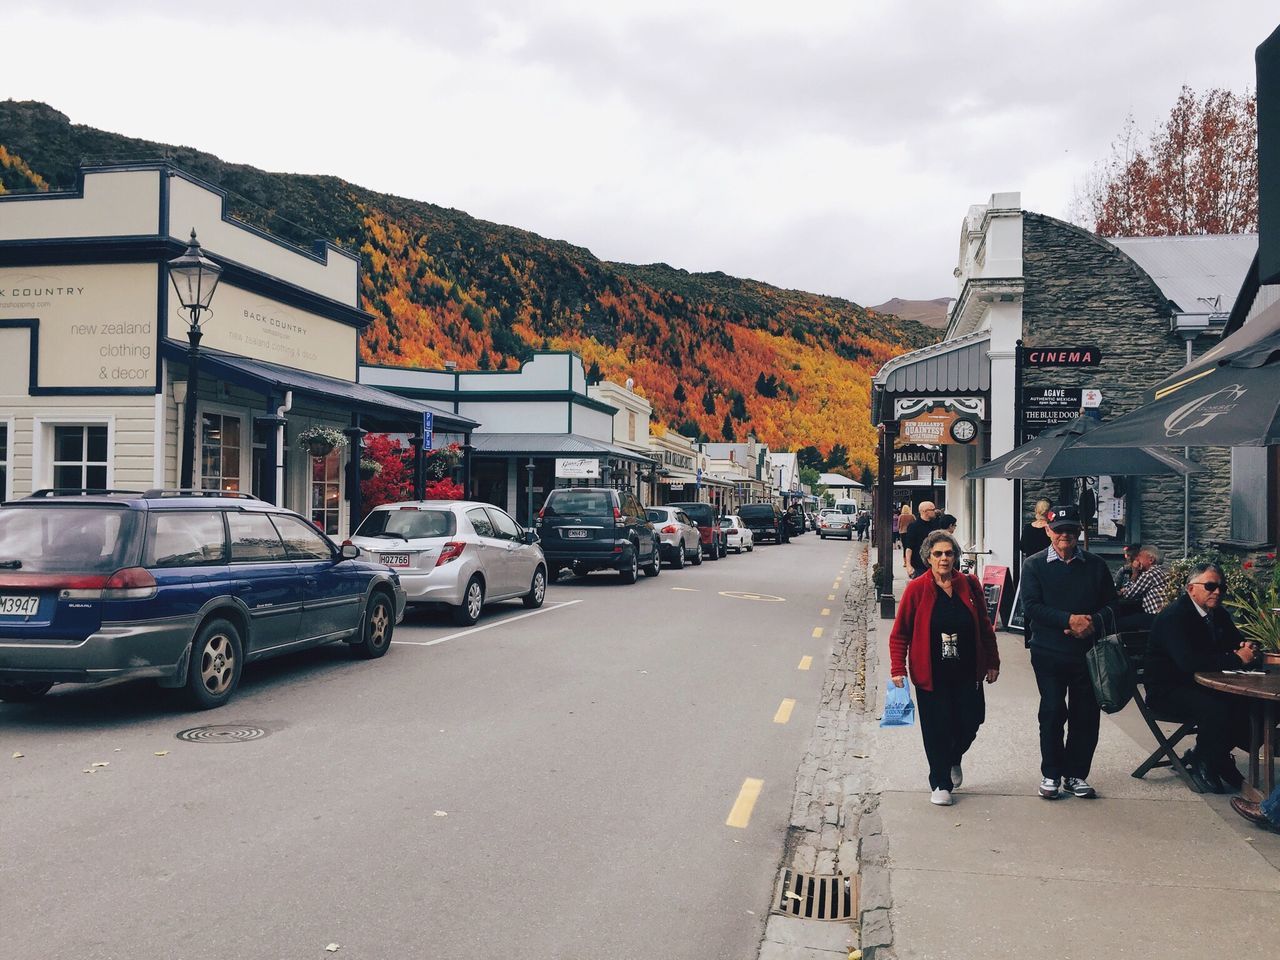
point(1194, 634)
point(1143, 596)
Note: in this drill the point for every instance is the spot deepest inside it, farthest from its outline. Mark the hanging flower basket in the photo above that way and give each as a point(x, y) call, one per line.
point(369, 468)
point(321, 441)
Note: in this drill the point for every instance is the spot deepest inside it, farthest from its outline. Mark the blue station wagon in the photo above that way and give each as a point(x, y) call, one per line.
point(184, 587)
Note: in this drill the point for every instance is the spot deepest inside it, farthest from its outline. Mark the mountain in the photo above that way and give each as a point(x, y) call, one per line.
point(716, 355)
point(930, 313)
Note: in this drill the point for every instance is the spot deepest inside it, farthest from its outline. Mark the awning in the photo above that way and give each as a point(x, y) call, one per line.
point(273, 379)
point(551, 445)
point(958, 366)
point(677, 478)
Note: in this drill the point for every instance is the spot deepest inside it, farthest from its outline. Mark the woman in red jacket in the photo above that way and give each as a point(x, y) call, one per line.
point(943, 638)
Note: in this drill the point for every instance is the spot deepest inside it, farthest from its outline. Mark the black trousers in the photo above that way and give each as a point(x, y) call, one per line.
point(950, 715)
point(1067, 701)
point(1222, 721)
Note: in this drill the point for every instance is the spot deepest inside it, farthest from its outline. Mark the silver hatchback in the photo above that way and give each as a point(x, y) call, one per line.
point(458, 553)
point(678, 537)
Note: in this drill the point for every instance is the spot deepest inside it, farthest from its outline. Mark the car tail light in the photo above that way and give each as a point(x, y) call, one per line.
point(130, 583)
point(670, 528)
point(617, 514)
point(542, 513)
point(732, 531)
point(449, 552)
point(408, 508)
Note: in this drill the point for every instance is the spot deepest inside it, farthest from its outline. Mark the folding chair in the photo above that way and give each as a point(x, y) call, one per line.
point(1166, 753)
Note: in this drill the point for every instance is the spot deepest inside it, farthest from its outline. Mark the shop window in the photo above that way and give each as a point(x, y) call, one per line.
point(1255, 477)
point(326, 492)
point(79, 457)
point(221, 446)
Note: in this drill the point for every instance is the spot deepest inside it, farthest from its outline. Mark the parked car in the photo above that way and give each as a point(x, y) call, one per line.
point(594, 528)
point(457, 553)
point(678, 537)
point(834, 523)
point(765, 521)
point(185, 588)
point(704, 515)
point(737, 536)
point(795, 522)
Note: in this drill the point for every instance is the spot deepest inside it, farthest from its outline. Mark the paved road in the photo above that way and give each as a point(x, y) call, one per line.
point(545, 786)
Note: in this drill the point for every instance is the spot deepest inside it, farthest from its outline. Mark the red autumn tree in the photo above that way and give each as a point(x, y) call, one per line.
point(1197, 174)
point(391, 483)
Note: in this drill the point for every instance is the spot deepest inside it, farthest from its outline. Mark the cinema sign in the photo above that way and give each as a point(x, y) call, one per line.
point(1089, 356)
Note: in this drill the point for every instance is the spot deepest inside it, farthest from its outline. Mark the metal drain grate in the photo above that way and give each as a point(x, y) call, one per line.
point(815, 897)
point(222, 733)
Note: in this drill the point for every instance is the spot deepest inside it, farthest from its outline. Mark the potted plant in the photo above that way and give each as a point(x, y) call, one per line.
point(1254, 600)
point(321, 441)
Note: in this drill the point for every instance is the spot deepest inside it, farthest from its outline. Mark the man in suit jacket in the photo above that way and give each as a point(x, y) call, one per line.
point(1064, 590)
point(1194, 633)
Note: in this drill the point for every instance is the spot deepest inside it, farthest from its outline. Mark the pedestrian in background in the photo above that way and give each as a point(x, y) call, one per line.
point(942, 637)
point(1144, 595)
point(1064, 589)
point(913, 539)
point(1128, 553)
point(1034, 536)
point(903, 520)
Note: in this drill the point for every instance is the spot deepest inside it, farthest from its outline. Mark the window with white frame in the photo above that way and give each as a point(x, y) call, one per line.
point(221, 447)
point(80, 456)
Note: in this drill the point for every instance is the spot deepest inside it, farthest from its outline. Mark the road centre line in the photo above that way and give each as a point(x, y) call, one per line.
point(831, 596)
point(495, 623)
point(805, 663)
point(740, 815)
point(784, 711)
point(686, 589)
point(817, 633)
point(826, 612)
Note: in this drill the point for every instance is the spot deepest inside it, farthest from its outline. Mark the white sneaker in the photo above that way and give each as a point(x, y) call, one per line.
point(941, 798)
point(957, 777)
point(1079, 787)
point(1049, 788)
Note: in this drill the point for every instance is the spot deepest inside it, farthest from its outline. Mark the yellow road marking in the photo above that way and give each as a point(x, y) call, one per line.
point(831, 596)
point(836, 585)
point(784, 711)
point(805, 663)
point(826, 612)
point(740, 815)
point(817, 633)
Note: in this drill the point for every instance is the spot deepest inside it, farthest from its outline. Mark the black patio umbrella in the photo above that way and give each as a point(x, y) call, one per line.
point(1056, 454)
point(1230, 397)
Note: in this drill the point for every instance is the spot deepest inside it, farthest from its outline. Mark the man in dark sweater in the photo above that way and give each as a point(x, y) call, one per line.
point(1064, 590)
point(914, 537)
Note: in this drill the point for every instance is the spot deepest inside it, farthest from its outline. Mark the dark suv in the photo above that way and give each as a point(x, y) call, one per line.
point(765, 521)
point(180, 586)
point(713, 538)
point(595, 528)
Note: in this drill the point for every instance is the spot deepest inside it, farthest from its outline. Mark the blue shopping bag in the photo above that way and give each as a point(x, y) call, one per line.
point(899, 711)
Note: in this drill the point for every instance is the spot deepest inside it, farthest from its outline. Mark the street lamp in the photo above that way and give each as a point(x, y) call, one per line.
point(194, 277)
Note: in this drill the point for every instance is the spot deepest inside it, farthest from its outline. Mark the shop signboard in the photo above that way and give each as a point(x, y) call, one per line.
point(938, 425)
point(1044, 407)
point(994, 578)
point(577, 468)
point(914, 455)
point(1062, 356)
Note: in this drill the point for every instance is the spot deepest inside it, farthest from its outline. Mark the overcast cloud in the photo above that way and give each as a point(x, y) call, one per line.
point(827, 146)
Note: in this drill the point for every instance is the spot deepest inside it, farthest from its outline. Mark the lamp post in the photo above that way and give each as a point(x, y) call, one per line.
point(194, 277)
point(529, 494)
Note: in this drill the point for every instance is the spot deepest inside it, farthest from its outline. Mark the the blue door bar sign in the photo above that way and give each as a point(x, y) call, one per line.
point(428, 429)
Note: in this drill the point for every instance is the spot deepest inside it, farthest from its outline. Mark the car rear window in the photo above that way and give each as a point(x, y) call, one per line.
point(700, 513)
point(62, 539)
point(657, 516)
point(408, 523)
point(579, 503)
point(756, 511)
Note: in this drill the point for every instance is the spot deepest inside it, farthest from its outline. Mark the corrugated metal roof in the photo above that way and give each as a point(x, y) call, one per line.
point(1200, 274)
point(836, 480)
point(545, 444)
point(952, 366)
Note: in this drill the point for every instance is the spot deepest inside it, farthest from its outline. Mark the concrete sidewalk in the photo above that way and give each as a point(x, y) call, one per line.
point(1148, 870)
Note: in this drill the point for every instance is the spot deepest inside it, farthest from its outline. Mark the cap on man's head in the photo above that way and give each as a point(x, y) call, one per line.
point(1063, 517)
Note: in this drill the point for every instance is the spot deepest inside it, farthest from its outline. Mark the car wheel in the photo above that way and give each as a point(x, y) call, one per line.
point(580, 569)
point(376, 628)
point(655, 566)
point(468, 611)
point(750, 547)
point(23, 692)
point(214, 671)
point(677, 562)
point(630, 571)
point(537, 590)
point(697, 556)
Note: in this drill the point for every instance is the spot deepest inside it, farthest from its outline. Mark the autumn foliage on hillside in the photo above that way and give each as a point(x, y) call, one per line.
point(716, 356)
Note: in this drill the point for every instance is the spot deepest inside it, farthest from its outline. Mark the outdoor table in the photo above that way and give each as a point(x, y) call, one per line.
point(1263, 691)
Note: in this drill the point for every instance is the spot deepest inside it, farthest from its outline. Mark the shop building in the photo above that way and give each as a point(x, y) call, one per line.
point(1050, 319)
point(94, 347)
point(541, 428)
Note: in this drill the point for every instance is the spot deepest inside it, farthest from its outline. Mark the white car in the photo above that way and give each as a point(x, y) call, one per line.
point(737, 536)
point(835, 523)
point(678, 537)
point(458, 553)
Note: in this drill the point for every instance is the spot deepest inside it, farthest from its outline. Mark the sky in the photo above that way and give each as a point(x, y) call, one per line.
point(833, 147)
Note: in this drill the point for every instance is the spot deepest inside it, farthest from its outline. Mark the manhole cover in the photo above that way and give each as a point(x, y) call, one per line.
point(815, 897)
point(222, 733)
